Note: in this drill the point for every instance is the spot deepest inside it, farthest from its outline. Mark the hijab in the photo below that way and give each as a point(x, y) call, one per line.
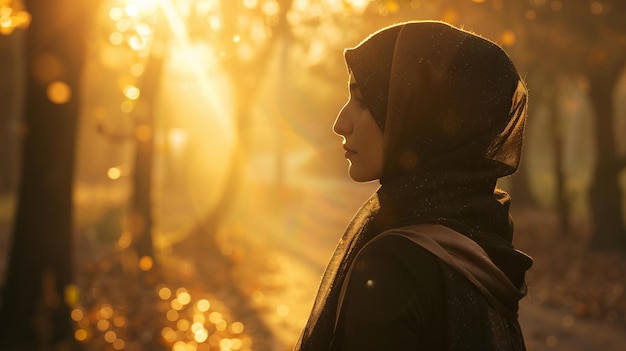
point(452, 109)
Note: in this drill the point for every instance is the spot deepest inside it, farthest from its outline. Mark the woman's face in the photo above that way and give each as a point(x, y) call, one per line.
point(362, 138)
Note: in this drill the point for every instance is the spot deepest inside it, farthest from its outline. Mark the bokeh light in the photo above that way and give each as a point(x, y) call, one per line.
point(146, 263)
point(59, 92)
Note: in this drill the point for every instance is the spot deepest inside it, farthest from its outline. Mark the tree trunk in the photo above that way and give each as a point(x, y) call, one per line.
point(562, 204)
point(141, 202)
point(609, 232)
point(34, 313)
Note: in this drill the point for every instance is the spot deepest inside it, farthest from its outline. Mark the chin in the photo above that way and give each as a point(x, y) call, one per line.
point(361, 177)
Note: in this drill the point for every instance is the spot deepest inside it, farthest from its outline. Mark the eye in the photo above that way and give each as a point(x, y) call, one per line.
point(360, 101)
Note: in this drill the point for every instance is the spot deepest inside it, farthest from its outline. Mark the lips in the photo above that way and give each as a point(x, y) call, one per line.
point(349, 152)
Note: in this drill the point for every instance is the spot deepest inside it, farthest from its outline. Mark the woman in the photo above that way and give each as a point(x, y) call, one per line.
point(437, 115)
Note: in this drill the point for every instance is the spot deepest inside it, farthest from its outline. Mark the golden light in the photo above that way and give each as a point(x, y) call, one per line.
point(116, 38)
point(237, 343)
point(122, 25)
point(556, 5)
point(236, 38)
point(127, 107)
point(77, 314)
point(168, 334)
point(270, 8)
point(114, 173)
point(177, 139)
point(103, 325)
point(165, 293)
point(126, 238)
point(282, 310)
point(132, 9)
point(47, 67)
point(201, 335)
point(59, 92)
point(198, 66)
point(143, 29)
point(530, 15)
point(251, 4)
point(508, 38)
point(136, 69)
point(110, 336)
point(175, 304)
point(116, 13)
point(105, 312)
point(215, 23)
point(479, 1)
point(13, 16)
point(451, 16)
point(221, 325)
point(199, 318)
point(179, 346)
point(81, 335)
point(143, 132)
point(597, 8)
point(146, 263)
point(182, 324)
point(196, 327)
point(119, 321)
point(226, 344)
point(358, 6)
point(236, 328)
point(137, 43)
point(215, 317)
point(203, 305)
point(184, 297)
point(119, 344)
point(132, 92)
point(72, 294)
point(172, 315)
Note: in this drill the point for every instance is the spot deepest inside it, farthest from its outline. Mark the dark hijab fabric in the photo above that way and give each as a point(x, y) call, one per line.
point(452, 109)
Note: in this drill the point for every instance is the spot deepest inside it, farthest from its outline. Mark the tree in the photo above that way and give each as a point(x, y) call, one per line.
point(34, 313)
point(594, 32)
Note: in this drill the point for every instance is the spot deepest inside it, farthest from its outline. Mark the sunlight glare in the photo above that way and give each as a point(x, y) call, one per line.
point(217, 108)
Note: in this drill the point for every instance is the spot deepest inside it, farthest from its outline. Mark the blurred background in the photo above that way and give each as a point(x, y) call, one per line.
point(169, 179)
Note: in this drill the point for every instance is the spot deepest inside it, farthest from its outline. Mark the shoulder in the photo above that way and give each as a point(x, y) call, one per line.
point(397, 253)
point(395, 268)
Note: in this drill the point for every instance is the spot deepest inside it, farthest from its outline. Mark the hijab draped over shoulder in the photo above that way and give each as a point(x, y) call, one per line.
point(452, 109)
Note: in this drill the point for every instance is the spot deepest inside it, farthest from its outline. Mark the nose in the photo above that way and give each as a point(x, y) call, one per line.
point(342, 125)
